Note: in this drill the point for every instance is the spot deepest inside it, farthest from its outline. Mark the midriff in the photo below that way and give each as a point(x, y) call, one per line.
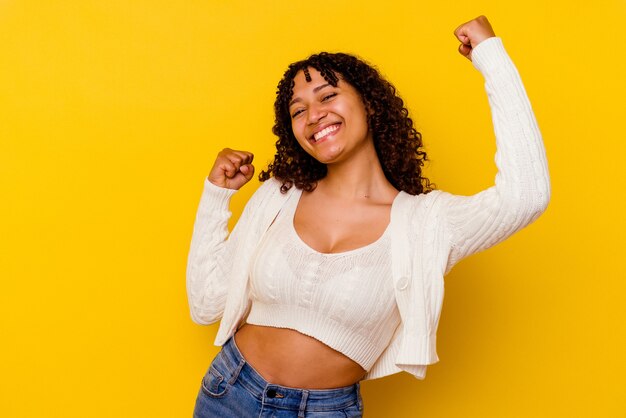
point(289, 358)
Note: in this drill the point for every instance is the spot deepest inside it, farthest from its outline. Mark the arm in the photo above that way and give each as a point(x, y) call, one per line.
point(213, 251)
point(522, 186)
point(210, 255)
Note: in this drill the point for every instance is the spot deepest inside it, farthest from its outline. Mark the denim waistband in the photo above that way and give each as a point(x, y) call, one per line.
point(287, 397)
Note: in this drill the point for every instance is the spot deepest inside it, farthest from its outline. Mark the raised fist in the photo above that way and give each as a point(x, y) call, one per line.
point(232, 169)
point(472, 33)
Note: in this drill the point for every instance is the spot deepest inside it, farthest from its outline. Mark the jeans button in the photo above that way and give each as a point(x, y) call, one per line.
point(271, 393)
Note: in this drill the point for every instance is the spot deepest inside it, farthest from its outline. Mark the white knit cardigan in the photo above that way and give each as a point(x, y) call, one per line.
point(430, 232)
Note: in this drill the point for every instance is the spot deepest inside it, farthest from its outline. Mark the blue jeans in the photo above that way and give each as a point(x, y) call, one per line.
point(231, 388)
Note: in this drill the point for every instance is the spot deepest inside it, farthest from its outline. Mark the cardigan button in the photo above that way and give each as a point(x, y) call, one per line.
point(403, 283)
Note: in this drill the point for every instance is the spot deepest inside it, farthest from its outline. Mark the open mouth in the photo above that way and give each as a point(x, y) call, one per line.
point(318, 136)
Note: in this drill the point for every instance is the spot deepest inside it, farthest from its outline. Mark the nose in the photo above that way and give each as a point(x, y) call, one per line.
point(317, 111)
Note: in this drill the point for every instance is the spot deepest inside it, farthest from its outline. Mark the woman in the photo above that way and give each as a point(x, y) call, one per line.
point(334, 272)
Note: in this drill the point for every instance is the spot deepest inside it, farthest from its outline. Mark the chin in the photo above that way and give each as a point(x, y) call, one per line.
point(335, 157)
point(327, 160)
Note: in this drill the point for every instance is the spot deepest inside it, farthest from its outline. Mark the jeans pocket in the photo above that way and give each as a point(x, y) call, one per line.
point(214, 384)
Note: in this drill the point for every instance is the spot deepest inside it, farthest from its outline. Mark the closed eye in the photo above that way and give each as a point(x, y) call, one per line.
point(324, 98)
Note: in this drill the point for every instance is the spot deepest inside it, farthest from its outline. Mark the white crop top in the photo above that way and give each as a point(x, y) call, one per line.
point(345, 300)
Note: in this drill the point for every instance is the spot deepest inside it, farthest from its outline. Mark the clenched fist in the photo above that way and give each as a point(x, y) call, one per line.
point(232, 169)
point(472, 33)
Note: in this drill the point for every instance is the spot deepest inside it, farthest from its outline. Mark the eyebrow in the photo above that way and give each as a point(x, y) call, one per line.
point(315, 90)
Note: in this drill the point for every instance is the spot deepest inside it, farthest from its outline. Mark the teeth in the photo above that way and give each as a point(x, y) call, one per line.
point(325, 132)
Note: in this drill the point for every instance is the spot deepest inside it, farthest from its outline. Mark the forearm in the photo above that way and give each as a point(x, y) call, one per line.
point(520, 156)
point(206, 281)
point(522, 185)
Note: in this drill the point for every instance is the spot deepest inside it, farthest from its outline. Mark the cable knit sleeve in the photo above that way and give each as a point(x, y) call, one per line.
point(522, 185)
point(213, 251)
point(209, 255)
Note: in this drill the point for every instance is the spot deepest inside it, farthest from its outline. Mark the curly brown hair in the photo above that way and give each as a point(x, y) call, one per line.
point(398, 144)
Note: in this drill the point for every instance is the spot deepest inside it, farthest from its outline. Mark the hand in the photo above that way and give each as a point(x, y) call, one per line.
point(472, 33)
point(232, 169)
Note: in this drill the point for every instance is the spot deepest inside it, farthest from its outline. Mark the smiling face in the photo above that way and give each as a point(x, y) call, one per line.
point(329, 122)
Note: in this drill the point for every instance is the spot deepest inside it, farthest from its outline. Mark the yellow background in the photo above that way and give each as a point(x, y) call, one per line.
point(111, 114)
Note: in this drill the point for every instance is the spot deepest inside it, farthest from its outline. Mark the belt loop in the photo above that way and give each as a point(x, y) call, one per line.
point(359, 400)
point(305, 395)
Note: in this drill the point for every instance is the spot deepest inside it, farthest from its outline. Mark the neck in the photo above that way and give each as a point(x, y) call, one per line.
point(357, 178)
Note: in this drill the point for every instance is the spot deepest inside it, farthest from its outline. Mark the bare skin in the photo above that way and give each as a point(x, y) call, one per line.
point(277, 352)
point(350, 208)
point(342, 225)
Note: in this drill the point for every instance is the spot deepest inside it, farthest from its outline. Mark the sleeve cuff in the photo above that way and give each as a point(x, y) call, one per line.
point(215, 197)
point(489, 55)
